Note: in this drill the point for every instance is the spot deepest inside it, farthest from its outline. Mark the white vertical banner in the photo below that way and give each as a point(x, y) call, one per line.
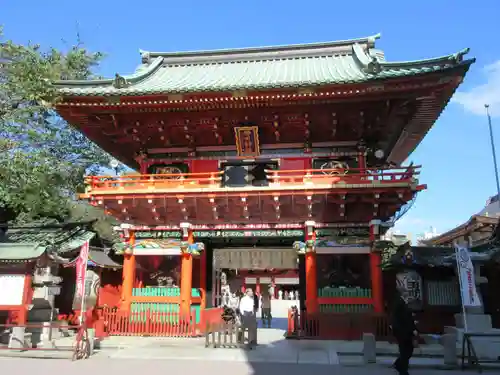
point(467, 281)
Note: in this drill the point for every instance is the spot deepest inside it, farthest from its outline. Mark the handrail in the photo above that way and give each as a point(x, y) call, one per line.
point(104, 182)
point(212, 180)
point(378, 170)
point(144, 176)
point(367, 174)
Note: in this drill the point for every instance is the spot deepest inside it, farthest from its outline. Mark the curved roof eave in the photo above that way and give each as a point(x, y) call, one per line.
point(132, 78)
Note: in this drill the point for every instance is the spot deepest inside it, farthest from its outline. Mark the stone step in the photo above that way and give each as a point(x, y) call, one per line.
point(475, 322)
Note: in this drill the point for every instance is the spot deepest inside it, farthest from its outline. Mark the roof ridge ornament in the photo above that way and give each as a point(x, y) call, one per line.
point(373, 38)
point(373, 66)
point(145, 56)
point(120, 82)
point(458, 57)
point(369, 64)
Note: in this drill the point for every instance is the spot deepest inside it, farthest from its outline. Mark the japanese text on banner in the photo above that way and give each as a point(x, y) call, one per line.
point(465, 268)
point(81, 270)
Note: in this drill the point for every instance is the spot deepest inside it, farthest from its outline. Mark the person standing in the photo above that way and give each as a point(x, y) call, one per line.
point(248, 319)
point(404, 330)
point(266, 309)
point(256, 302)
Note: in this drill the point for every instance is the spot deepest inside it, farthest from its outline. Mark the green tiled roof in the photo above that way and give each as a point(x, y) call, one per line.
point(31, 242)
point(305, 65)
point(20, 251)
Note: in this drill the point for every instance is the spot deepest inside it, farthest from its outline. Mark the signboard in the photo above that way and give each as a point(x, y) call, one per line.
point(247, 140)
point(343, 236)
point(12, 290)
point(249, 233)
point(255, 258)
point(269, 233)
point(348, 231)
point(158, 234)
point(343, 242)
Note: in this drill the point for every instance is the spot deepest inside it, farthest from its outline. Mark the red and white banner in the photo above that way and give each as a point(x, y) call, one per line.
point(466, 277)
point(81, 273)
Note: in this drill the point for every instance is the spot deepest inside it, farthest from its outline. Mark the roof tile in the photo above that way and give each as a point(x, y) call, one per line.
point(272, 67)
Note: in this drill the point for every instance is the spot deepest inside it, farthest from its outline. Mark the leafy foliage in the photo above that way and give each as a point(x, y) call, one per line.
point(29, 187)
point(82, 211)
point(42, 157)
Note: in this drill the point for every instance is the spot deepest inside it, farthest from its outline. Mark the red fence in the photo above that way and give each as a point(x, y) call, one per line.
point(147, 323)
point(351, 326)
point(337, 326)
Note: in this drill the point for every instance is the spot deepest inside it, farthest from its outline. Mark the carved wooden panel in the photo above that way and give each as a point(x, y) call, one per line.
point(255, 258)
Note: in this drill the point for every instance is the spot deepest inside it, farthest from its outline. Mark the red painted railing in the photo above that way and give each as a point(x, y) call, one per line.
point(171, 180)
point(337, 326)
point(351, 326)
point(212, 180)
point(352, 175)
point(147, 323)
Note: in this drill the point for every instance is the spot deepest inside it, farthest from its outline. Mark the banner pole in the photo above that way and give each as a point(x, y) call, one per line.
point(464, 315)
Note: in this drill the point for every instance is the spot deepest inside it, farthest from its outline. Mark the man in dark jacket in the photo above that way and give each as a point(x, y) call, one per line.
point(256, 302)
point(404, 330)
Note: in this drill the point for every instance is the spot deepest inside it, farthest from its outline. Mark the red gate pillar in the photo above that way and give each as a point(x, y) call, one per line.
point(128, 273)
point(311, 270)
point(22, 317)
point(186, 272)
point(203, 280)
point(375, 269)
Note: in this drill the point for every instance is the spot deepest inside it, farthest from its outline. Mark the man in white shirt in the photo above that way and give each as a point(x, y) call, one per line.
point(248, 319)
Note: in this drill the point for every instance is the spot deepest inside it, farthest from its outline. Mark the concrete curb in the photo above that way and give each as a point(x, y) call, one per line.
point(423, 366)
point(386, 354)
point(416, 366)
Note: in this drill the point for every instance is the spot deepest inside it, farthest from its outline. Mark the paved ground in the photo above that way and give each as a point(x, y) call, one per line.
point(272, 350)
point(140, 366)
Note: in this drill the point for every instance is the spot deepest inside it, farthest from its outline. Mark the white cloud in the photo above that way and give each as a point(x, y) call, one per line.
point(487, 93)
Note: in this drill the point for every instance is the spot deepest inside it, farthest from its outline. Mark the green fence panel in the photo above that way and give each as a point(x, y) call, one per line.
point(345, 308)
point(165, 308)
point(345, 292)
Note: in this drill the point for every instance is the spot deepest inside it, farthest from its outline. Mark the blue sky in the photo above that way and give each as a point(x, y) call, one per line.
point(455, 155)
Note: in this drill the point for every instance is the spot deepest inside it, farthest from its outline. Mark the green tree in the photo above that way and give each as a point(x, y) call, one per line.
point(42, 158)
